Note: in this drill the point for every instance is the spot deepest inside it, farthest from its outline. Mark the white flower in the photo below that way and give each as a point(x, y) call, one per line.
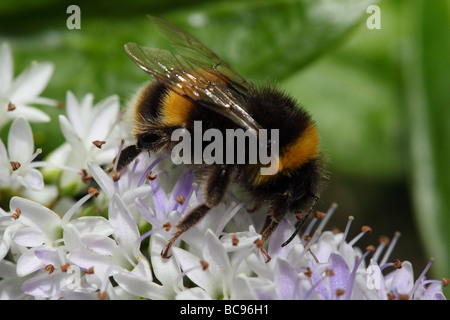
point(17, 95)
point(16, 166)
point(91, 133)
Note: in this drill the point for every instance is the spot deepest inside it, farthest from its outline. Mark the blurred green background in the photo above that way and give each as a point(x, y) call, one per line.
point(379, 96)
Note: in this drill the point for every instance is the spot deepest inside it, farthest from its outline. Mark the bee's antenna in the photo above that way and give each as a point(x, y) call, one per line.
point(302, 223)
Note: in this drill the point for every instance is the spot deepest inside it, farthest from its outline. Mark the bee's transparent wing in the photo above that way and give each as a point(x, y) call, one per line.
point(196, 73)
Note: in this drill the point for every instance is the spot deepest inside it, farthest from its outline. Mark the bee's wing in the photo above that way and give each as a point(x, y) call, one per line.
point(196, 73)
point(194, 51)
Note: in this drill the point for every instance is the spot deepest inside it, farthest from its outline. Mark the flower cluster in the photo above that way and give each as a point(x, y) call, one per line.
point(95, 233)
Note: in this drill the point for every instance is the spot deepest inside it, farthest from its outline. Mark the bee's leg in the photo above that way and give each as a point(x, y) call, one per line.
point(127, 155)
point(216, 185)
point(270, 225)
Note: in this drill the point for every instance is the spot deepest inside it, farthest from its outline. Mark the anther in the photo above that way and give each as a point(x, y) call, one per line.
point(167, 226)
point(101, 295)
point(204, 265)
point(11, 107)
point(84, 176)
point(234, 240)
point(90, 270)
point(116, 176)
point(15, 165)
point(49, 268)
point(339, 292)
point(98, 143)
point(150, 177)
point(93, 191)
point(397, 264)
point(308, 272)
point(366, 229)
point(16, 214)
point(320, 215)
point(371, 248)
point(180, 199)
point(329, 272)
point(64, 267)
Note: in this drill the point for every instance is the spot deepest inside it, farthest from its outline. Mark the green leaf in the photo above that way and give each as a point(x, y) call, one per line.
point(427, 99)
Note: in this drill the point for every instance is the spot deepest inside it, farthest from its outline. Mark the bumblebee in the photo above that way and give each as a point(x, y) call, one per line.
point(196, 85)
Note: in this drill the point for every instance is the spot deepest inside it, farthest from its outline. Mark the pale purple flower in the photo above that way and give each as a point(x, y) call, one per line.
point(109, 246)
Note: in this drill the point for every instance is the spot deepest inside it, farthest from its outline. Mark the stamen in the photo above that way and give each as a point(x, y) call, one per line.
point(93, 191)
point(364, 230)
point(347, 228)
point(150, 167)
point(352, 277)
point(66, 218)
point(116, 160)
point(327, 217)
point(422, 275)
point(11, 107)
point(384, 241)
point(390, 248)
point(308, 246)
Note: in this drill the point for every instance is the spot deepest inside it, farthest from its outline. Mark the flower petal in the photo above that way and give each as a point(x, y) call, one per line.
point(37, 216)
point(74, 113)
point(20, 141)
point(6, 68)
point(93, 225)
point(33, 180)
point(28, 263)
point(140, 287)
point(48, 257)
point(43, 285)
point(71, 136)
point(127, 232)
point(192, 266)
point(166, 270)
point(31, 82)
point(29, 237)
point(103, 180)
point(341, 273)
point(104, 115)
point(30, 113)
point(286, 279)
